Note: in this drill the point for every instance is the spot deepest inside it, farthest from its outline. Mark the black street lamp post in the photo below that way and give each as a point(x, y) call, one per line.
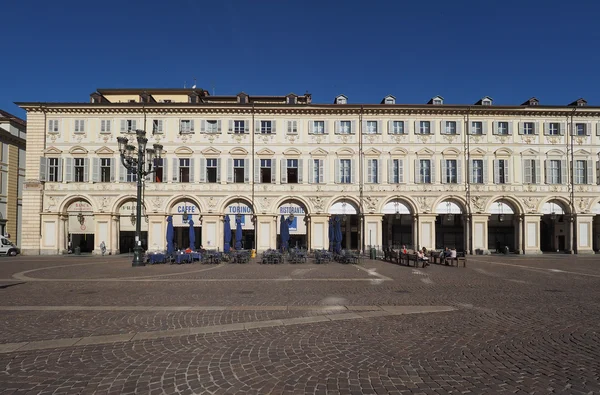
point(140, 163)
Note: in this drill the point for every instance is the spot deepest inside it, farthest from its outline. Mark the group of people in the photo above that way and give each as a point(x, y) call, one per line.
point(422, 254)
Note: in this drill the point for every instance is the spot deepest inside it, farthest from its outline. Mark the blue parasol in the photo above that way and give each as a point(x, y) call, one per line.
point(170, 234)
point(238, 232)
point(192, 235)
point(284, 231)
point(331, 234)
point(338, 235)
point(227, 226)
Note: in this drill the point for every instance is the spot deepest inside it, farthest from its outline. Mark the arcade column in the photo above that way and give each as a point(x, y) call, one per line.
point(319, 231)
point(584, 231)
point(212, 232)
point(531, 233)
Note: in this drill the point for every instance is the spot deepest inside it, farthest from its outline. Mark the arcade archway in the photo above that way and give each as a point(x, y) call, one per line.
point(449, 226)
point(186, 212)
point(80, 226)
point(296, 214)
point(555, 227)
point(127, 224)
point(349, 214)
point(503, 224)
point(596, 227)
point(397, 225)
point(240, 210)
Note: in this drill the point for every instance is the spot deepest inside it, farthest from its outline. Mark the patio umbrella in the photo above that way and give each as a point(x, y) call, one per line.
point(192, 235)
point(338, 234)
point(238, 232)
point(227, 226)
point(284, 231)
point(170, 234)
point(331, 234)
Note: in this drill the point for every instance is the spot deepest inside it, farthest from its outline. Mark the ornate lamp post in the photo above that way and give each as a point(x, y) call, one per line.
point(138, 160)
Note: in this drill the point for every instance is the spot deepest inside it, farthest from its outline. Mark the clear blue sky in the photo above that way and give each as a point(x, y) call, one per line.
point(462, 50)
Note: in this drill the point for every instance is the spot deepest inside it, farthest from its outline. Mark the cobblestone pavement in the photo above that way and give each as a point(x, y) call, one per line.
point(513, 324)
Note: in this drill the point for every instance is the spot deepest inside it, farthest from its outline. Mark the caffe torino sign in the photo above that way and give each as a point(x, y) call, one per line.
point(188, 208)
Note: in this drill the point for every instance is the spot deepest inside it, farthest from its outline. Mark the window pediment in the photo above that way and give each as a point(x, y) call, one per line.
point(555, 152)
point(398, 151)
point(477, 152)
point(345, 151)
point(372, 152)
point(319, 152)
point(582, 152)
point(425, 152)
point(292, 152)
point(52, 151)
point(78, 150)
point(265, 152)
point(238, 151)
point(184, 151)
point(530, 152)
point(104, 151)
point(450, 152)
point(210, 151)
point(503, 152)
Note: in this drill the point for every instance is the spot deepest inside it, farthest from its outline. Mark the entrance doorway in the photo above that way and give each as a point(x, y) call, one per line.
point(127, 241)
point(449, 226)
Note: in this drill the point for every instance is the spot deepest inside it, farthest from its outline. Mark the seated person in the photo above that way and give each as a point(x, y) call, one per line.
point(188, 250)
point(404, 250)
point(453, 253)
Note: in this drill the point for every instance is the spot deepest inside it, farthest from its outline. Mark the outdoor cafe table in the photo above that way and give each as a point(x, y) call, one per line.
point(183, 258)
point(156, 258)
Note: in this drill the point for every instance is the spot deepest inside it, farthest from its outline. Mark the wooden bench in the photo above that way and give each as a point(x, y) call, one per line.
point(458, 260)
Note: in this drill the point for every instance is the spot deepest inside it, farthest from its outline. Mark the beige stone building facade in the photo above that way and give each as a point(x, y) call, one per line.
point(12, 174)
point(478, 177)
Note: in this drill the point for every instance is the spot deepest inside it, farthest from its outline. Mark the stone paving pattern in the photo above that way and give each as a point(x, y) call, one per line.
point(522, 325)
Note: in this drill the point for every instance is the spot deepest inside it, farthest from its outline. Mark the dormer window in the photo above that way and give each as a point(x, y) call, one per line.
point(291, 99)
point(531, 102)
point(389, 100)
point(579, 103)
point(438, 100)
point(341, 99)
point(242, 98)
point(486, 102)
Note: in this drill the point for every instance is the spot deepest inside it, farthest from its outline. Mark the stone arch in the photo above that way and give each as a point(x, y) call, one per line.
point(179, 198)
point(593, 203)
point(511, 201)
point(74, 198)
point(298, 200)
point(355, 202)
point(235, 199)
point(452, 198)
point(120, 201)
point(564, 203)
point(404, 199)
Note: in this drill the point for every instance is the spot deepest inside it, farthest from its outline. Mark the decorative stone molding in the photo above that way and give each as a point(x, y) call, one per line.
point(479, 203)
point(583, 205)
point(424, 203)
point(318, 203)
point(531, 203)
point(371, 203)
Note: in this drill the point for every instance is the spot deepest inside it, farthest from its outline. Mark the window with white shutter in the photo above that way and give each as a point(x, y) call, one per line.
point(80, 126)
point(53, 126)
point(105, 126)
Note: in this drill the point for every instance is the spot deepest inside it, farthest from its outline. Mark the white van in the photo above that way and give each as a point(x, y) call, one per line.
point(7, 247)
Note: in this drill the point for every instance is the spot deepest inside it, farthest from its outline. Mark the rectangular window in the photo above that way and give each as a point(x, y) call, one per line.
point(157, 126)
point(450, 127)
point(239, 127)
point(395, 172)
point(186, 126)
point(159, 170)
point(292, 127)
point(425, 127)
point(580, 129)
point(553, 129)
point(345, 171)
point(292, 171)
point(128, 125)
point(211, 170)
point(501, 171)
point(131, 175)
point(53, 169)
point(477, 127)
point(79, 170)
point(105, 169)
point(317, 171)
point(371, 127)
point(451, 176)
point(425, 171)
point(79, 126)
point(212, 126)
point(397, 127)
point(477, 171)
point(105, 126)
point(345, 127)
point(265, 171)
point(502, 128)
point(554, 172)
point(53, 126)
point(528, 128)
point(580, 173)
point(184, 170)
point(372, 171)
point(530, 171)
point(266, 127)
point(318, 127)
point(238, 170)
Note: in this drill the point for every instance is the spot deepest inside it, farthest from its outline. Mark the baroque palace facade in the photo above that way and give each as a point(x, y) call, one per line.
point(476, 177)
